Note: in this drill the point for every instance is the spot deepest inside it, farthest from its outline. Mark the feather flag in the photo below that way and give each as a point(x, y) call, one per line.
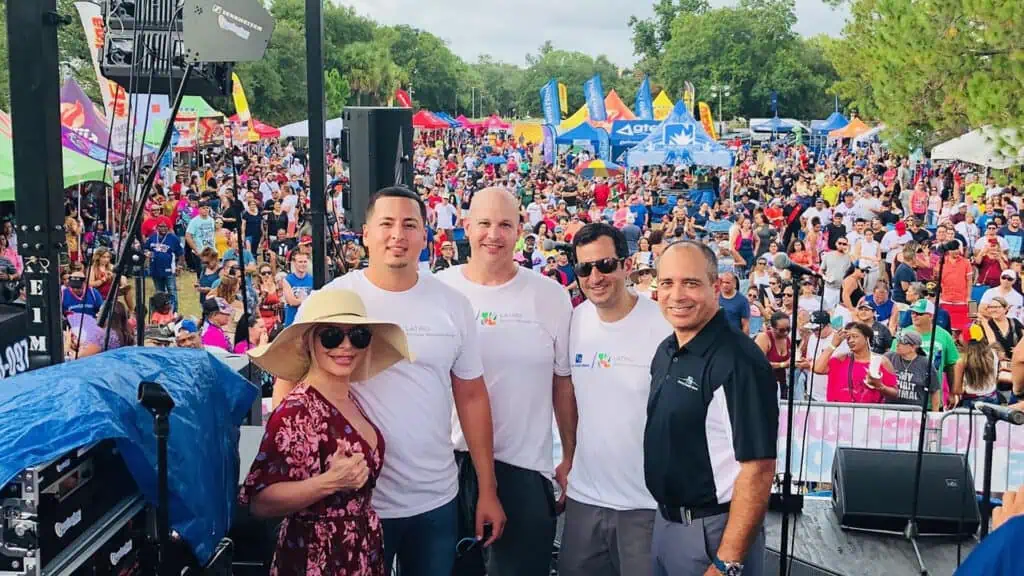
point(563, 99)
point(643, 106)
point(403, 99)
point(242, 109)
point(706, 120)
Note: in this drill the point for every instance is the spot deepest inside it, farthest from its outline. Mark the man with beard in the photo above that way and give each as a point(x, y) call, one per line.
point(523, 325)
point(709, 444)
point(411, 402)
point(609, 514)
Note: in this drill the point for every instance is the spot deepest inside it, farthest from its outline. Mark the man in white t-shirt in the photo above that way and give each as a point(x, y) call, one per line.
point(523, 324)
point(411, 402)
point(609, 515)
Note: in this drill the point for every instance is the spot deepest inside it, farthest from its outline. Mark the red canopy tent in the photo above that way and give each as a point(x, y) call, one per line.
point(427, 121)
point(466, 122)
point(264, 131)
point(495, 123)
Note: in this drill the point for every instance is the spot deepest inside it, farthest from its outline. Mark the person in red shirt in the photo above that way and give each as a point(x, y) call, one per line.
point(150, 223)
point(956, 287)
point(602, 192)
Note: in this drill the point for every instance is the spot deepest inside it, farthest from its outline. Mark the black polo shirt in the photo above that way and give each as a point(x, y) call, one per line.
point(712, 405)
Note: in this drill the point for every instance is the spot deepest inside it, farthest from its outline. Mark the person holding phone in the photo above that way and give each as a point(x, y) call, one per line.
point(850, 378)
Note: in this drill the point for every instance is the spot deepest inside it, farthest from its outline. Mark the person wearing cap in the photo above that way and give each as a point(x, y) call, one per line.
point(1006, 290)
point(217, 314)
point(411, 402)
point(910, 364)
point(321, 452)
point(186, 334)
point(922, 317)
point(991, 255)
point(201, 231)
point(447, 258)
point(524, 338)
point(881, 338)
point(834, 266)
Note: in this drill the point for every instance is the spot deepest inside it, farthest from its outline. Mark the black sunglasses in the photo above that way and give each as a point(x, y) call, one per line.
point(332, 337)
point(604, 266)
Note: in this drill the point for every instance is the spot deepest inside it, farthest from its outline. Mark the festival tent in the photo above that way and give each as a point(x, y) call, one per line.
point(196, 107)
point(465, 122)
point(575, 120)
point(855, 128)
point(264, 131)
point(332, 129)
point(834, 122)
point(987, 146)
point(869, 135)
point(680, 141)
point(493, 122)
point(583, 134)
point(616, 108)
point(773, 125)
point(451, 121)
point(424, 120)
point(662, 106)
point(77, 168)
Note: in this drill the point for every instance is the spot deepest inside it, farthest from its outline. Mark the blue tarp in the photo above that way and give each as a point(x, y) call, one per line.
point(48, 412)
point(679, 141)
point(834, 122)
point(775, 124)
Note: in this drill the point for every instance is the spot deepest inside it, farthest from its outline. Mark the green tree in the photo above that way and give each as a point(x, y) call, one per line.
point(336, 92)
point(933, 69)
point(75, 57)
point(652, 34)
point(571, 69)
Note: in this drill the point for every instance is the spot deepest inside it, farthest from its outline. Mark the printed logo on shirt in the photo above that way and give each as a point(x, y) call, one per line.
point(488, 319)
point(604, 360)
point(688, 382)
point(491, 319)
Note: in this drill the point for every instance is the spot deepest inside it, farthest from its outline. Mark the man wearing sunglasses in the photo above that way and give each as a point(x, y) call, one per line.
point(411, 402)
point(609, 513)
point(523, 325)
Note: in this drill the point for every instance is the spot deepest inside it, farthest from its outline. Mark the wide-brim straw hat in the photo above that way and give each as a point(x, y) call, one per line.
point(288, 356)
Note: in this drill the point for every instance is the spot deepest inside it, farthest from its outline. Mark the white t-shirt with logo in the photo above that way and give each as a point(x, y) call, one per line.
point(411, 402)
point(524, 339)
point(611, 373)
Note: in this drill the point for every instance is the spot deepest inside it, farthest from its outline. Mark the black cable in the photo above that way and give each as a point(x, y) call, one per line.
point(967, 471)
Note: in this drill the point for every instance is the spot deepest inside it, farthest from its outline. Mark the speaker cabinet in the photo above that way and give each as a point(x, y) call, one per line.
point(874, 489)
point(379, 144)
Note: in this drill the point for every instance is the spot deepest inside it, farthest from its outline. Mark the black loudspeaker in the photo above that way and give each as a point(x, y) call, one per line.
point(873, 490)
point(379, 151)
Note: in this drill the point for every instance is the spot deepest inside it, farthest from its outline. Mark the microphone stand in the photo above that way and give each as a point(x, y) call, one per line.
point(911, 531)
point(155, 399)
point(986, 491)
point(791, 503)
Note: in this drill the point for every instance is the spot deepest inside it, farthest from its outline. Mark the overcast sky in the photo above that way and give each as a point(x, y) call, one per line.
point(591, 26)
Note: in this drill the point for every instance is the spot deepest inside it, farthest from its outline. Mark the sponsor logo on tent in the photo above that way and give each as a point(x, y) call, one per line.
point(637, 129)
point(678, 134)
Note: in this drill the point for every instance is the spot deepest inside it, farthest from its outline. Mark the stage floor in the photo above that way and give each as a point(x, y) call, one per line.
point(821, 542)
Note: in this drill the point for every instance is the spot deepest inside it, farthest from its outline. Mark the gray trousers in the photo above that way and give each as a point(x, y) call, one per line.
point(688, 549)
point(604, 542)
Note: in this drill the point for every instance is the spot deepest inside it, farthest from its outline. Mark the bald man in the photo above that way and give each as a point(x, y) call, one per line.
point(523, 324)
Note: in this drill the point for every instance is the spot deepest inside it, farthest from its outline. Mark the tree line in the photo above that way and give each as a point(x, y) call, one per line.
point(929, 69)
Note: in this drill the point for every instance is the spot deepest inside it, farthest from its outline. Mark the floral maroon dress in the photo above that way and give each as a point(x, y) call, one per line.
point(341, 534)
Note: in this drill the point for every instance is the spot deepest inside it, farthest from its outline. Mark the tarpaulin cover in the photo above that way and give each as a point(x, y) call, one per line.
point(48, 412)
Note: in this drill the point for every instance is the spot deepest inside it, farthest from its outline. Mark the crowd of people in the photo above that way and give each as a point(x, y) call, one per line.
point(882, 235)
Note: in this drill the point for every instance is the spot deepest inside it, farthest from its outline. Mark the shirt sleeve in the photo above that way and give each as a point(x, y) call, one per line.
point(563, 309)
point(753, 409)
point(468, 363)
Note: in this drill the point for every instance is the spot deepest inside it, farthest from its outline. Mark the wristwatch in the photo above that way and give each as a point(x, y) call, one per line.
point(728, 568)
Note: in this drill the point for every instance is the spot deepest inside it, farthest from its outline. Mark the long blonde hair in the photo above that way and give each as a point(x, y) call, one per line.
point(979, 362)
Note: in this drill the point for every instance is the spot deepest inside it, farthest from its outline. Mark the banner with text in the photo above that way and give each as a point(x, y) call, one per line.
point(563, 99)
point(549, 102)
point(644, 106)
point(594, 93)
point(707, 121)
point(889, 427)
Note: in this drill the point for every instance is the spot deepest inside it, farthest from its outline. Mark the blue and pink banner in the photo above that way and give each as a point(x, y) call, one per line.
point(593, 90)
point(644, 105)
point(79, 114)
point(549, 102)
point(74, 141)
point(548, 148)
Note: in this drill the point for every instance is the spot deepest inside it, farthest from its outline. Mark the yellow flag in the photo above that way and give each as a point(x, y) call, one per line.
point(563, 99)
point(689, 95)
point(706, 120)
point(242, 107)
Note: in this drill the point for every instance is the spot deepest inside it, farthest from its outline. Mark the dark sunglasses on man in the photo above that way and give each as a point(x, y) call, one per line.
point(604, 266)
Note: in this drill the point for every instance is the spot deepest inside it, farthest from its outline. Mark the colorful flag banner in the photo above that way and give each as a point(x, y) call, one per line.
point(594, 93)
point(403, 98)
point(549, 102)
point(690, 97)
point(707, 121)
point(248, 134)
point(563, 99)
point(644, 106)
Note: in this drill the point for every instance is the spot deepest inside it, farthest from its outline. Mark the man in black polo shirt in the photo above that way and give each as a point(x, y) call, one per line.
point(712, 420)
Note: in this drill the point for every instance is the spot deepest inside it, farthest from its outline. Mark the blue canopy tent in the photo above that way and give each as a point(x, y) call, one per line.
point(451, 121)
point(679, 141)
point(773, 125)
point(821, 128)
point(627, 133)
point(587, 135)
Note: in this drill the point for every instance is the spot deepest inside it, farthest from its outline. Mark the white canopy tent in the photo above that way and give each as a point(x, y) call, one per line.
point(869, 135)
point(987, 146)
point(332, 129)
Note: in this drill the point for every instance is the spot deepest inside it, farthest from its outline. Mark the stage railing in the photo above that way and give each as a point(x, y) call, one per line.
point(895, 427)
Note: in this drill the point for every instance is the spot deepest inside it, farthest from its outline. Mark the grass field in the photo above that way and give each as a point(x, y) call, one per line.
point(188, 298)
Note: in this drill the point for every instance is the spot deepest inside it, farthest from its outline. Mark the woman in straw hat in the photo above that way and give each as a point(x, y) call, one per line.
point(320, 455)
